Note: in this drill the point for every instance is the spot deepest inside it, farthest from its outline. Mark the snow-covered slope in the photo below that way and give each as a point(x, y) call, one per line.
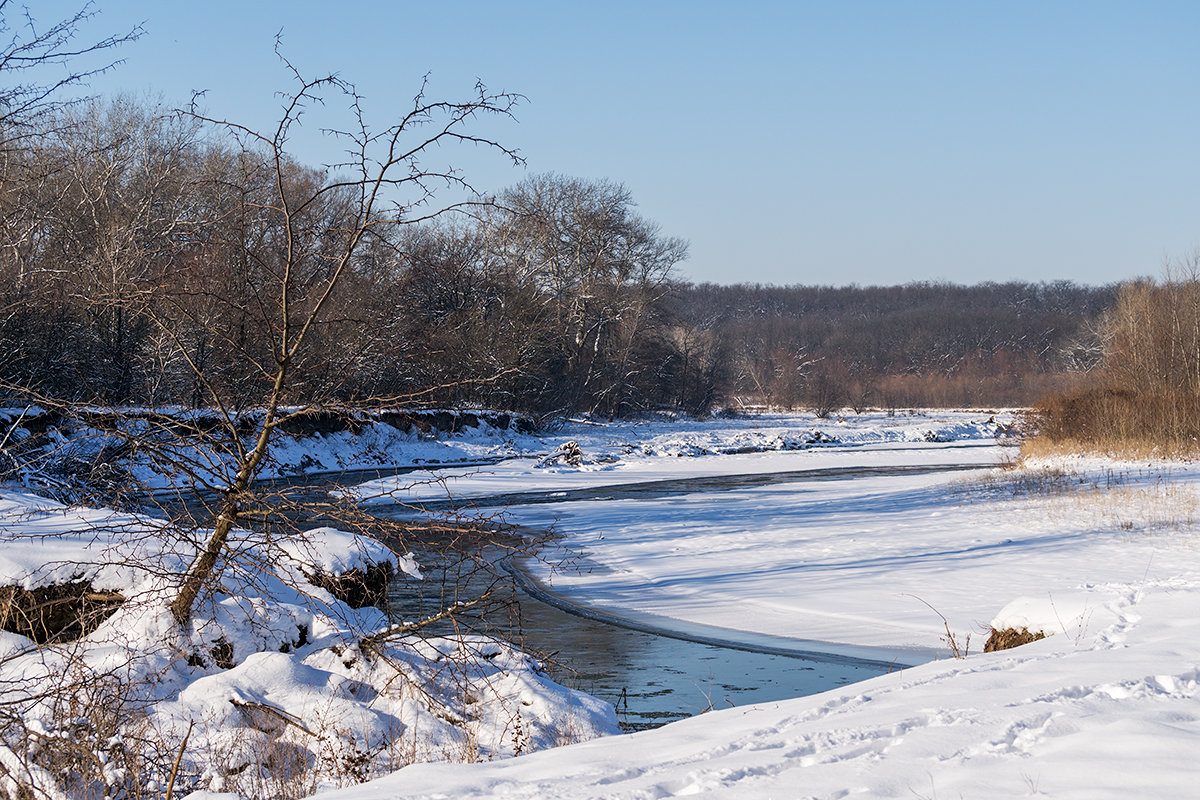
point(870, 542)
point(1111, 714)
point(275, 684)
point(1103, 557)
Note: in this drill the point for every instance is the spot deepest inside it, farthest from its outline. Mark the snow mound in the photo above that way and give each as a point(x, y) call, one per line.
point(1066, 613)
point(333, 552)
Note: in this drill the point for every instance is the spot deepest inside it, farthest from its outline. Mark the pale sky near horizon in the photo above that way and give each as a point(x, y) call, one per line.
point(803, 142)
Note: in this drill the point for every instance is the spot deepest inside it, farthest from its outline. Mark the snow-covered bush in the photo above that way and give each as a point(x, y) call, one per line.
point(275, 688)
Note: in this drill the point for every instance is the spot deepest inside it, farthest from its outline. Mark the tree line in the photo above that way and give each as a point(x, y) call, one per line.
point(140, 249)
point(919, 344)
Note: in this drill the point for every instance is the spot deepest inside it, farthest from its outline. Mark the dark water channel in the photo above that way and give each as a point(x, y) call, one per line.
point(648, 490)
point(651, 678)
point(654, 679)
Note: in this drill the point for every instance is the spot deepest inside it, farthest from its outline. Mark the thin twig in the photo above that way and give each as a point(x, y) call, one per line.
point(178, 759)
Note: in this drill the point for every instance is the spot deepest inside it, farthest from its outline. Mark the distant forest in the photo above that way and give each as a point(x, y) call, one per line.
point(147, 258)
point(920, 344)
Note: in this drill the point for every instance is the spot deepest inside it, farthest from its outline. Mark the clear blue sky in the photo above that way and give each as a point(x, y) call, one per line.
point(788, 142)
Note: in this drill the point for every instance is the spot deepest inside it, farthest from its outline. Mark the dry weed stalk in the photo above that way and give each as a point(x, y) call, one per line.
point(1126, 499)
point(950, 638)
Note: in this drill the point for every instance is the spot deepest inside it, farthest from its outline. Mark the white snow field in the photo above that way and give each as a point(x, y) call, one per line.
point(890, 538)
point(1103, 557)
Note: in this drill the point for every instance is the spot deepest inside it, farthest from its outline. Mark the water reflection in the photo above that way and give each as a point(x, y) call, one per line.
point(653, 680)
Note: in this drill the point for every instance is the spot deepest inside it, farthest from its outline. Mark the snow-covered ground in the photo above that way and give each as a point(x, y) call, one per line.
point(633, 452)
point(872, 545)
point(275, 686)
point(1103, 557)
point(171, 459)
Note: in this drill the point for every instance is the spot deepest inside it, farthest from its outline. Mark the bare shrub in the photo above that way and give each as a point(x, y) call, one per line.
point(100, 743)
point(1145, 398)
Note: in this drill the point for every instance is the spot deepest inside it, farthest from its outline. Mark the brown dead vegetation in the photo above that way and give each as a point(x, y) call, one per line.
point(358, 587)
point(1144, 399)
point(61, 612)
point(1008, 638)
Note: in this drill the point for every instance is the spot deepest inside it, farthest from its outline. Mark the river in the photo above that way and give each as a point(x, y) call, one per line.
point(653, 673)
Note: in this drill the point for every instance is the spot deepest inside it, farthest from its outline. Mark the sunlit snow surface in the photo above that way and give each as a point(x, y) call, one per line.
point(863, 547)
point(1102, 556)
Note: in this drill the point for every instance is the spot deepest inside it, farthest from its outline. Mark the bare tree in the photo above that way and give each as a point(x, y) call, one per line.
point(40, 61)
point(308, 256)
point(40, 64)
point(602, 272)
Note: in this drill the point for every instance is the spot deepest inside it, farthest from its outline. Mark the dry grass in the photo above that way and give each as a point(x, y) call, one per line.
point(1024, 482)
point(1117, 422)
point(1168, 507)
point(1128, 450)
point(1145, 398)
point(1134, 500)
point(1016, 479)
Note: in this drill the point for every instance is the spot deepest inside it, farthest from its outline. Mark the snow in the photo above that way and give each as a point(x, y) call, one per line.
point(44, 542)
point(1101, 556)
point(1114, 716)
point(633, 452)
point(271, 665)
point(172, 459)
point(896, 541)
point(334, 552)
point(913, 545)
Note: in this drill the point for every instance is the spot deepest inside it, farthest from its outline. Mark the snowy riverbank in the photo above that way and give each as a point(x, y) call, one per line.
point(1104, 557)
point(860, 535)
point(276, 686)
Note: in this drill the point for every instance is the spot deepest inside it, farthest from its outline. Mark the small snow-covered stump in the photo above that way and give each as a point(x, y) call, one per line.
point(1031, 619)
point(568, 453)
